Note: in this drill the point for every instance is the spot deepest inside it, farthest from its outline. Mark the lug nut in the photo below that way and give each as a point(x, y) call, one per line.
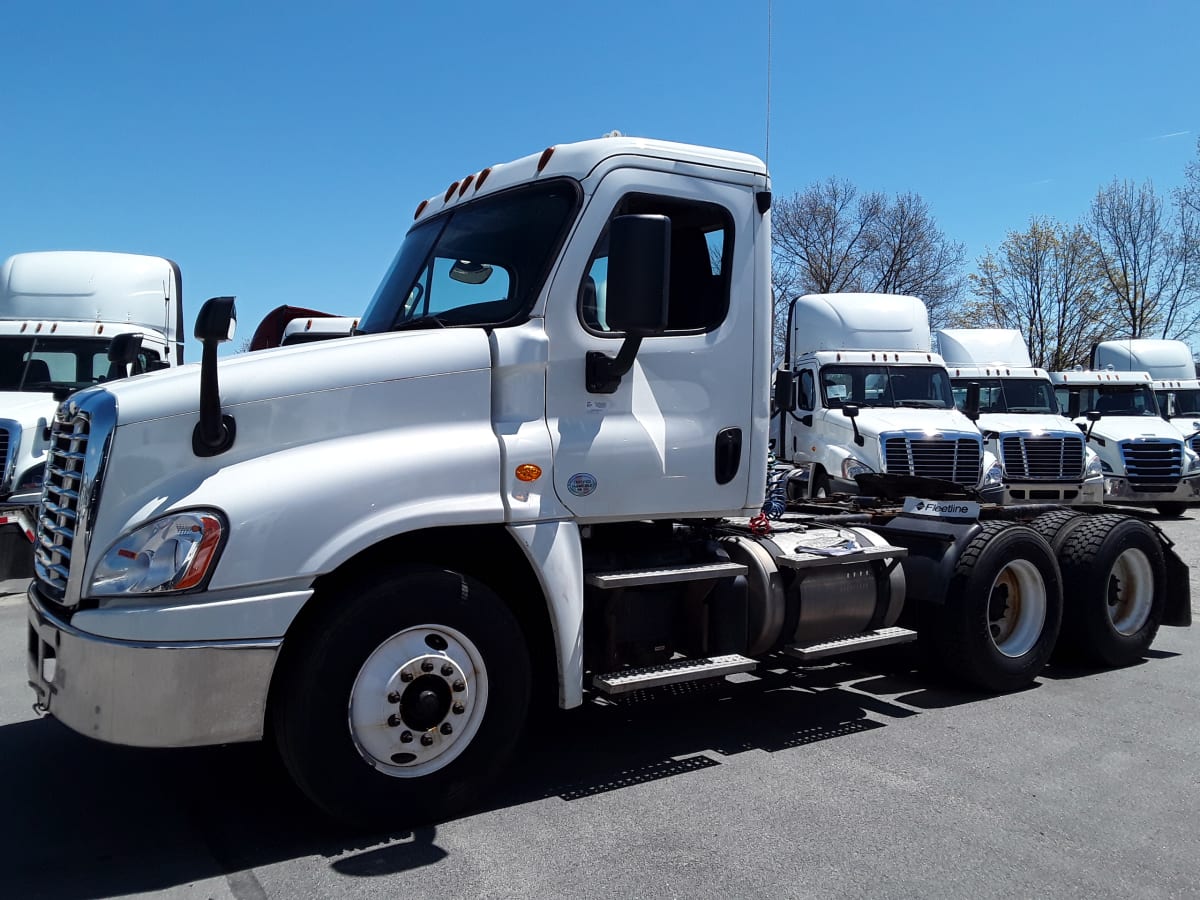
point(459, 686)
point(459, 709)
point(447, 728)
point(427, 666)
point(406, 676)
point(406, 737)
point(426, 740)
point(393, 721)
point(394, 697)
point(447, 669)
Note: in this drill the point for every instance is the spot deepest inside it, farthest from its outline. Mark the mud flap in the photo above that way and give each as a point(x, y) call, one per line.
point(1178, 608)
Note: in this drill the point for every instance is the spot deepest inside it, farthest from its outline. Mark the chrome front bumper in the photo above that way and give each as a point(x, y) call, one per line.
point(1087, 493)
point(1117, 490)
point(149, 694)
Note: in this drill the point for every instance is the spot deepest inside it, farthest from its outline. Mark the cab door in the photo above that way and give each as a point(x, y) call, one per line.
point(673, 438)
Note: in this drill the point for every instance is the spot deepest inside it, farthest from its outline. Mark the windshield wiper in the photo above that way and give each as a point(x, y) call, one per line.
point(920, 404)
point(419, 322)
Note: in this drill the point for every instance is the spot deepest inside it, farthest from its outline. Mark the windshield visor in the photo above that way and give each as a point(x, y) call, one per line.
point(480, 264)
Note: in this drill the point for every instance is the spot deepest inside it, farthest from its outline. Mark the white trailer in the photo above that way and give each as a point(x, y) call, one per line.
point(60, 312)
point(873, 398)
point(558, 415)
point(1043, 455)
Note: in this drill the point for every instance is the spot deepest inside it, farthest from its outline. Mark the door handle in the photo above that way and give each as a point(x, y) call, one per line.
point(727, 455)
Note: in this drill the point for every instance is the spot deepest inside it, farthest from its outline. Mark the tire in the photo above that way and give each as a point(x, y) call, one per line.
point(1056, 525)
point(403, 699)
point(1002, 610)
point(820, 487)
point(1116, 581)
point(1171, 509)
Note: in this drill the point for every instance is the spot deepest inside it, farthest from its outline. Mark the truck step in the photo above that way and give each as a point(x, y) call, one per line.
point(625, 680)
point(799, 559)
point(881, 637)
point(663, 574)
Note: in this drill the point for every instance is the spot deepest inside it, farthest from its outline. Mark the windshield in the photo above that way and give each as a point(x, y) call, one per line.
point(1012, 395)
point(1112, 400)
point(1180, 403)
point(42, 364)
point(921, 387)
point(480, 264)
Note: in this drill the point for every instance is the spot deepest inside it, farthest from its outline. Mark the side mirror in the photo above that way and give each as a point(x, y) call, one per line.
point(786, 386)
point(850, 411)
point(215, 324)
point(1073, 405)
point(639, 271)
point(1093, 416)
point(971, 410)
point(124, 348)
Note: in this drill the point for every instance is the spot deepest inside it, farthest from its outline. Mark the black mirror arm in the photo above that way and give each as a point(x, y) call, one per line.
point(604, 372)
point(214, 433)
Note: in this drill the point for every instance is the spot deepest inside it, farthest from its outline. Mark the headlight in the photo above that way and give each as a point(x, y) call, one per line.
point(1193, 461)
point(1094, 467)
point(171, 554)
point(31, 479)
point(993, 476)
point(852, 467)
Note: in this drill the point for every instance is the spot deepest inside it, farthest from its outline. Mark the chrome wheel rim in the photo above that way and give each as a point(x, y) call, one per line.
point(418, 700)
point(1129, 592)
point(1016, 608)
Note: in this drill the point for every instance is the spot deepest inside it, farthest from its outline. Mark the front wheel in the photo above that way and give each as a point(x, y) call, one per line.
point(1171, 509)
point(403, 699)
point(1002, 609)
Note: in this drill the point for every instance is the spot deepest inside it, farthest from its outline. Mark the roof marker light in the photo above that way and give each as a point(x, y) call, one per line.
point(545, 158)
point(24, 325)
point(482, 177)
point(466, 183)
point(450, 192)
point(39, 327)
point(99, 329)
point(420, 209)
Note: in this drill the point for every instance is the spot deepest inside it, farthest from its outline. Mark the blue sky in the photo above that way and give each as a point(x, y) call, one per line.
point(277, 150)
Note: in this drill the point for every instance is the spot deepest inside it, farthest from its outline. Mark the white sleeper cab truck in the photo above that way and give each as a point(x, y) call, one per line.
point(1043, 455)
point(1173, 373)
point(69, 320)
point(559, 405)
point(1145, 460)
point(872, 398)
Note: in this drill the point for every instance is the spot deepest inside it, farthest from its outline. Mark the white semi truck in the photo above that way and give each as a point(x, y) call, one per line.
point(557, 416)
point(1145, 460)
point(873, 398)
point(1173, 370)
point(1043, 455)
point(60, 313)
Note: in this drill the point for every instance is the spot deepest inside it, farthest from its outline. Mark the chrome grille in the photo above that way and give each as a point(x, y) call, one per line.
point(61, 491)
point(950, 460)
point(1195, 442)
point(1042, 458)
point(1150, 465)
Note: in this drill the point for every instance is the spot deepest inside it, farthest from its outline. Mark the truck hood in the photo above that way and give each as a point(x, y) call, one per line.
point(303, 370)
point(1038, 423)
point(875, 421)
point(1123, 428)
point(1186, 425)
point(27, 408)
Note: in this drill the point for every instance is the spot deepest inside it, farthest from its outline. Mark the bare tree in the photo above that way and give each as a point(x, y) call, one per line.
point(1046, 283)
point(1188, 196)
point(830, 238)
point(1149, 256)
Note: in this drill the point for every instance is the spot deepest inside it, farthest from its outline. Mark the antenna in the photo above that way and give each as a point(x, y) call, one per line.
point(770, 29)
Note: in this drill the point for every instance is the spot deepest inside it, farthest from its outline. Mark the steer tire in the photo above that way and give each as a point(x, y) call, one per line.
point(342, 705)
point(1002, 611)
point(1115, 578)
point(1056, 525)
point(1171, 509)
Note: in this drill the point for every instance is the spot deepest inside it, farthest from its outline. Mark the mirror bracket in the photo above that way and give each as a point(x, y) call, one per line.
point(604, 372)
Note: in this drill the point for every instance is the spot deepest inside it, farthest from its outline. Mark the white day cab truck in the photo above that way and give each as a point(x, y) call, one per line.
point(872, 399)
point(1172, 370)
point(1043, 456)
point(69, 320)
point(560, 400)
point(1145, 459)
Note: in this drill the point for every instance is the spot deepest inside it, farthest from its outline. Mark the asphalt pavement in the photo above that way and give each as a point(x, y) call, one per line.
point(860, 778)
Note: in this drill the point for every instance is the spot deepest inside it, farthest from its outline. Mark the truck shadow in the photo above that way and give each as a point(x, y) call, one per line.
point(91, 820)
